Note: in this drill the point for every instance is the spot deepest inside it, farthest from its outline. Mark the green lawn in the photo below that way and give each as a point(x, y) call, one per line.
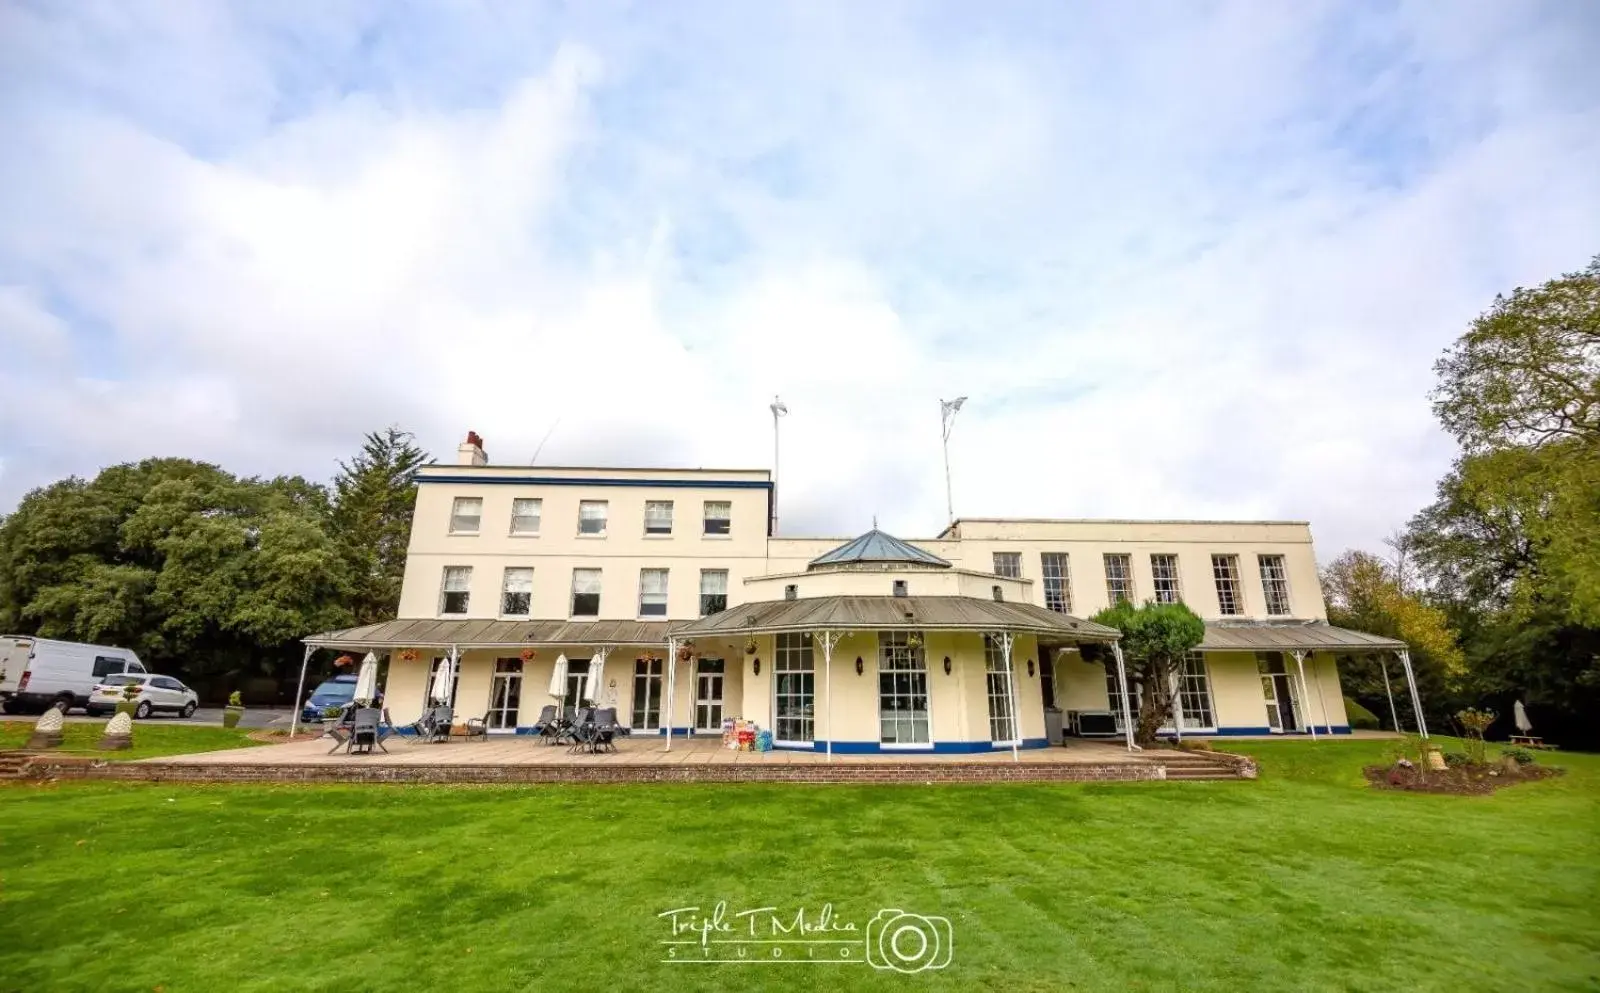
point(1304, 880)
point(149, 740)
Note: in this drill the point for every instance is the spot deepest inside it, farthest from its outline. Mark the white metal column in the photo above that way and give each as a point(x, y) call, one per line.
point(829, 639)
point(672, 684)
point(1006, 639)
point(1394, 715)
point(1122, 686)
point(1305, 695)
point(1416, 699)
point(294, 723)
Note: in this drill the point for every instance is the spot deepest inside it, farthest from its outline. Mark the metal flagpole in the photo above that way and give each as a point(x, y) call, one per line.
point(1305, 694)
point(1122, 687)
point(1416, 699)
point(294, 723)
point(672, 684)
point(1394, 715)
point(947, 416)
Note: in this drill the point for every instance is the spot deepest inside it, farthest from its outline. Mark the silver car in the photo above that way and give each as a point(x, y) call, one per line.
point(156, 693)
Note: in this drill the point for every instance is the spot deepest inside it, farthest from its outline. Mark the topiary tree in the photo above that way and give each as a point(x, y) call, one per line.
point(1155, 639)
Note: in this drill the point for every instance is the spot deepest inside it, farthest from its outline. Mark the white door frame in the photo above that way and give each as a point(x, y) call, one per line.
point(700, 700)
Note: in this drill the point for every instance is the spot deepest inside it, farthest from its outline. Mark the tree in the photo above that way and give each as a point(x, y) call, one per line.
point(1156, 637)
point(375, 494)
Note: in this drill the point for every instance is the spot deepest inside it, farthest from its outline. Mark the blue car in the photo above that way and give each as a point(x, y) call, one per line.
point(335, 692)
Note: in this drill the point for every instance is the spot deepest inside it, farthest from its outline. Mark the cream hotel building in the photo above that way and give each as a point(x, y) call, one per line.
point(670, 583)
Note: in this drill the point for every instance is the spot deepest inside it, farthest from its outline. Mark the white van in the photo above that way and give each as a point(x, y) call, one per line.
point(36, 673)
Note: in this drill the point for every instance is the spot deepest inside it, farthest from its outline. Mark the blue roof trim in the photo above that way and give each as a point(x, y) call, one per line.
point(685, 484)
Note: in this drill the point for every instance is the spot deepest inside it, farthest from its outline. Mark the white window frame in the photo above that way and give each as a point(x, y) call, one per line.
point(1164, 570)
point(647, 685)
point(1194, 683)
point(458, 519)
point(897, 657)
point(1114, 698)
point(572, 598)
point(1225, 576)
point(604, 517)
point(537, 516)
point(445, 589)
point(794, 655)
point(998, 683)
point(1057, 587)
point(1275, 588)
point(659, 518)
point(713, 574)
point(1013, 568)
point(706, 519)
point(648, 597)
point(1126, 561)
point(506, 591)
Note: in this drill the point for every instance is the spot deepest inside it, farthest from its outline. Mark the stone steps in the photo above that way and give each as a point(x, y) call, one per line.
point(12, 764)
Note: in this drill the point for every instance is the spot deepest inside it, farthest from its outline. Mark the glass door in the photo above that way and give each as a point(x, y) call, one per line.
point(708, 679)
point(1002, 728)
point(647, 695)
point(577, 678)
point(793, 691)
point(505, 695)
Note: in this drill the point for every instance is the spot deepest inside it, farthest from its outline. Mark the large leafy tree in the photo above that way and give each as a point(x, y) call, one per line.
point(1155, 639)
point(375, 494)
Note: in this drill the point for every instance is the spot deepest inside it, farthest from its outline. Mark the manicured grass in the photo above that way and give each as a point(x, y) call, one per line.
point(149, 739)
point(1305, 880)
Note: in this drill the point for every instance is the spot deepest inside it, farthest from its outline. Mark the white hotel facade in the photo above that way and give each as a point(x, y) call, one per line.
point(669, 581)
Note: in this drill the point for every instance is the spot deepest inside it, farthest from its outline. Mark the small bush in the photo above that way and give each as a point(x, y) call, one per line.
point(1453, 759)
point(1359, 716)
point(1521, 756)
point(235, 700)
point(1195, 745)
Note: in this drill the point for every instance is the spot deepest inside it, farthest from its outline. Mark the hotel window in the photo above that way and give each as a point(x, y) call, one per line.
point(713, 591)
point(465, 515)
point(1008, 564)
point(516, 593)
point(793, 689)
point(586, 593)
point(719, 517)
point(1164, 570)
point(457, 589)
point(1275, 584)
point(652, 592)
point(658, 517)
point(899, 588)
point(1194, 693)
point(525, 516)
point(647, 674)
point(1057, 581)
point(902, 689)
point(1230, 595)
point(791, 592)
point(1119, 579)
point(592, 517)
point(1002, 723)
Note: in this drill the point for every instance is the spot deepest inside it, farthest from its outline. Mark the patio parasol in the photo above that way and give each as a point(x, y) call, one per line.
point(558, 678)
point(367, 680)
point(597, 668)
point(1519, 716)
point(442, 678)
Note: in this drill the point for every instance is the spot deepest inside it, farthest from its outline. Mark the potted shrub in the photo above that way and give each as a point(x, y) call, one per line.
point(126, 705)
point(233, 711)
point(749, 646)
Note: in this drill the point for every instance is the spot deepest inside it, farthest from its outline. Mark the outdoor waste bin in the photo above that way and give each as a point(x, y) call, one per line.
point(1052, 725)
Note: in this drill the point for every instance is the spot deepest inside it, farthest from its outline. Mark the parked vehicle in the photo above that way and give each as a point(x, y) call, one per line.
point(335, 692)
point(36, 673)
point(156, 693)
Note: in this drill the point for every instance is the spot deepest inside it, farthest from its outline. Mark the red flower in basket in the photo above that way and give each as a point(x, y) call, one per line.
point(343, 660)
point(409, 655)
point(528, 655)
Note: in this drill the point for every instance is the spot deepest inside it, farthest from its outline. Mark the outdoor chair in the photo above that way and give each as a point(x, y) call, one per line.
point(548, 727)
point(605, 729)
point(477, 727)
point(365, 731)
point(582, 734)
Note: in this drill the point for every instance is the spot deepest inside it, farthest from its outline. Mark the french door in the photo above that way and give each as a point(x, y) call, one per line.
point(577, 678)
point(708, 683)
point(793, 691)
point(505, 695)
point(647, 695)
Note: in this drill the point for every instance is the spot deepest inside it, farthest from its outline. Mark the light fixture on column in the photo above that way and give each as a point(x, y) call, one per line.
point(758, 667)
point(947, 665)
point(860, 667)
point(1030, 668)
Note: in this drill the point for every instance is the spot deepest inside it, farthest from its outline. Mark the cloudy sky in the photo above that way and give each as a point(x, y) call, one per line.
point(1186, 259)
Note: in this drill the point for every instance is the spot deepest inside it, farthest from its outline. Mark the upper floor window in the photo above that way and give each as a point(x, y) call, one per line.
point(791, 592)
point(457, 589)
point(1057, 581)
point(516, 593)
point(1230, 595)
point(525, 515)
point(1164, 571)
point(591, 517)
point(900, 587)
point(713, 591)
point(658, 517)
point(1008, 564)
point(719, 517)
point(1119, 579)
point(1274, 583)
point(652, 592)
point(586, 593)
point(465, 515)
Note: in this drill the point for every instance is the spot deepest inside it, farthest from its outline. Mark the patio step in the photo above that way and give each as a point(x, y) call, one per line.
point(1195, 765)
point(12, 764)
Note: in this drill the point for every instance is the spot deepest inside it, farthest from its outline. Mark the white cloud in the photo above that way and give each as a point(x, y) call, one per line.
point(1198, 266)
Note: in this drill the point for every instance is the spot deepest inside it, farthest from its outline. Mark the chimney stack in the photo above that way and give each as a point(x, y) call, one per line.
point(471, 451)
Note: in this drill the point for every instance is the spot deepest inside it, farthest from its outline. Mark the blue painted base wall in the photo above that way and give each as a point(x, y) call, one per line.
point(939, 747)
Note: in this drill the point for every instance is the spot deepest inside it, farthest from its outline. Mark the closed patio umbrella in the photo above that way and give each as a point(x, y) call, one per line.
point(558, 677)
point(1519, 716)
point(597, 668)
point(367, 680)
point(442, 677)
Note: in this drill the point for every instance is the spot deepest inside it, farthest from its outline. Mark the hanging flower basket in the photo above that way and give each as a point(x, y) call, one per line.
point(408, 655)
point(685, 652)
point(343, 661)
point(913, 640)
point(528, 655)
point(750, 646)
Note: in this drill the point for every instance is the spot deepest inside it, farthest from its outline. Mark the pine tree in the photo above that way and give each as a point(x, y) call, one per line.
point(374, 496)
